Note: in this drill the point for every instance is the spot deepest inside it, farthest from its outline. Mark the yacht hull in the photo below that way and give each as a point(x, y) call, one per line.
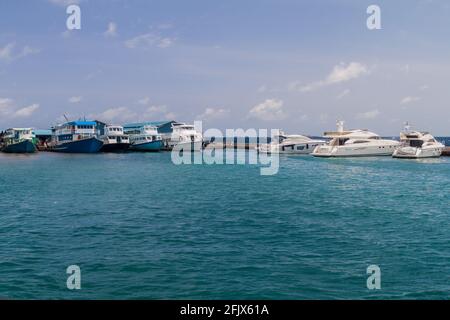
point(153, 146)
point(299, 148)
point(91, 145)
point(417, 153)
point(115, 147)
point(21, 147)
point(342, 151)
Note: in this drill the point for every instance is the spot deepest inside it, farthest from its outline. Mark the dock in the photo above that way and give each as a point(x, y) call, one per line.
point(446, 152)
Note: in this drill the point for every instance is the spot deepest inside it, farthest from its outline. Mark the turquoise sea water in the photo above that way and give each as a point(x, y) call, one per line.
point(140, 227)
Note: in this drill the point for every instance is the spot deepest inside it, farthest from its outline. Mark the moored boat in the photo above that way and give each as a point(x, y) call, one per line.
point(144, 138)
point(290, 144)
point(183, 137)
point(355, 143)
point(19, 140)
point(113, 138)
point(76, 137)
point(416, 145)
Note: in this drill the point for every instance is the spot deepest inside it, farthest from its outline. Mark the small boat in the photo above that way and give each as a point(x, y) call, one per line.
point(355, 143)
point(76, 137)
point(417, 145)
point(184, 136)
point(114, 140)
point(19, 140)
point(144, 138)
point(291, 144)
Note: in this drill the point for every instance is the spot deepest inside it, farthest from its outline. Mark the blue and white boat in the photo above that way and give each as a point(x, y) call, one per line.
point(143, 137)
point(19, 140)
point(76, 137)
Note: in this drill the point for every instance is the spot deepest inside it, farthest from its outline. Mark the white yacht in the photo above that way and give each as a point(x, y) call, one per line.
point(355, 143)
point(114, 139)
point(291, 144)
point(183, 136)
point(415, 145)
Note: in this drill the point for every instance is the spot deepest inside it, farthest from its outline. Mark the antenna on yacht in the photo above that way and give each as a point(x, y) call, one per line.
point(65, 117)
point(407, 126)
point(340, 125)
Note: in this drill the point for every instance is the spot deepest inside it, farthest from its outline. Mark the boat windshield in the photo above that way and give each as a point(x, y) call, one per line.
point(416, 143)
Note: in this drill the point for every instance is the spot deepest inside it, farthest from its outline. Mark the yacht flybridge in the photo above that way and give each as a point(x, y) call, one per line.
point(355, 143)
point(290, 143)
point(415, 145)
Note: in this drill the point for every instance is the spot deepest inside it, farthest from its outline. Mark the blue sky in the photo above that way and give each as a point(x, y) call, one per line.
point(294, 65)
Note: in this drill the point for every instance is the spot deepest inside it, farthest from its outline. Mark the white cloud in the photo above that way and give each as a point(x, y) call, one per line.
point(5, 106)
point(262, 88)
point(8, 109)
point(165, 42)
point(368, 115)
point(156, 112)
point(115, 114)
point(76, 99)
point(270, 109)
point(144, 101)
point(424, 87)
point(149, 40)
point(64, 3)
point(156, 109)
point(340, 73)
point(9, 53)
point(343, 94)
point(409, 99)
point(26, 112)
point(6, 51)
point(112, 30)
point(213, 114)
point(170, 116)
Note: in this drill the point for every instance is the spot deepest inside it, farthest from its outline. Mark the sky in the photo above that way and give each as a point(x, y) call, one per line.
point(288, 64)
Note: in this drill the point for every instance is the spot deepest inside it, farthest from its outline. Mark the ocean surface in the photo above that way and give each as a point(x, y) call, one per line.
point(140, 227)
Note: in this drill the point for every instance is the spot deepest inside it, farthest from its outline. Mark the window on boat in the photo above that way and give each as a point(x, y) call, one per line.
point(300, 147)
point(359, 141)
point(416, 143)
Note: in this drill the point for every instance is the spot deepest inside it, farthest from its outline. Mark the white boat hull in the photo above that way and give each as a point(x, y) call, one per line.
point(299, 148)
point(359, 150)
point(418, 153)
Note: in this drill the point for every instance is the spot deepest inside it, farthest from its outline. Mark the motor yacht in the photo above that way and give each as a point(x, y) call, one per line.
point(416, 144)
point(355, 143)
point(291, 144)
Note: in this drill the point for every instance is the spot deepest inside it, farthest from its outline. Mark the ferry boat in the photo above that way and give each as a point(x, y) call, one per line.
point(184, 136)
point(355, 143)
point(144, 137)
point(290, 144)
point(416, 145)
point(113, 138)
point(76, 137)
point(19, 140)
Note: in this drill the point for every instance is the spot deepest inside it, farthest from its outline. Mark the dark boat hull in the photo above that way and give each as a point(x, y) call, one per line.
point(91, 145)
point(115, 147)
point(21, 147)
point(153, 146)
